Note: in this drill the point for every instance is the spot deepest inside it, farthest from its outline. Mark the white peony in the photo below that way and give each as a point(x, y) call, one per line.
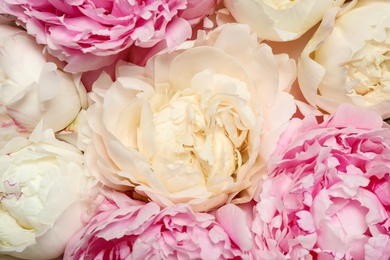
point(32, 89)
point(196, 125)
point(348, 59)
point(44, 190)
point(280, 20)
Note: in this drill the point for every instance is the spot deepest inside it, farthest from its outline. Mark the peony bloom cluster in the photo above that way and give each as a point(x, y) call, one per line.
point(123, 228)
point(348, 59)
point(44, 191)
point(328, 192)
point(33, 89)
point(194, 126)
point(89, 34)
point(195, 129)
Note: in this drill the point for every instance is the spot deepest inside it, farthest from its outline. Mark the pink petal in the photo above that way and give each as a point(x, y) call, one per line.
point(233, 220)
point(305, 221)
point(349, 115)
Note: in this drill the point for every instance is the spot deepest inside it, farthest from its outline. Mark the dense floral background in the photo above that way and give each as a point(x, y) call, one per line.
point(183, 129)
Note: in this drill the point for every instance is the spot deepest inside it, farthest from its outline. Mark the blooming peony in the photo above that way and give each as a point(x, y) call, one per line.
point(89, 34)
point(194, 126)
point(347, 60)
point(280, 20)
point(32, 89)
point(328, 192)
point(44, 191)
point(123, 228)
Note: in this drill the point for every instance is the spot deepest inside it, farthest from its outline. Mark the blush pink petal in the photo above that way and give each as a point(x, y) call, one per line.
point(305, 221)
point(233, 219)
point(378, 247)
point(351, 115)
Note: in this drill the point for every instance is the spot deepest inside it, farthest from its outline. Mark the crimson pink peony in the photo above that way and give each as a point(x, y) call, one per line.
point(123, 228)
point(328, 192)
point(90, 34)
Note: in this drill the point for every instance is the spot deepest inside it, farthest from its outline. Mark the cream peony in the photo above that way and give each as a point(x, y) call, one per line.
point(194, 126)
point(44, 190)
point(32, 89)
point(348, 59)
point(280, 20)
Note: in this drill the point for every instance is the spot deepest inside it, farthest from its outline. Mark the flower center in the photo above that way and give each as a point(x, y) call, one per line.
point(199, 136)
point(179, 126)
point(195, 136)
point(370, 68)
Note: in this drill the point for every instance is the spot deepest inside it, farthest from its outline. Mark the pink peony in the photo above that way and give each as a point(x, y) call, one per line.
point(91, 34)
point(123, 228)
point(328, 192)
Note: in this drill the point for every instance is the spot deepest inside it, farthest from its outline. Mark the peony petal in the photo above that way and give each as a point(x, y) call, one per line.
point(351, 115)
point(305, 221)
point(233, 219)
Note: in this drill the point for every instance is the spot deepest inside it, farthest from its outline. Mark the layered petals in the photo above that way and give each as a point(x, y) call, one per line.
point(195, 125)
point(90, 35)
point(31, 88)
point(324, 195)
point(44, 191)
point(347, 60)
point(122, 228)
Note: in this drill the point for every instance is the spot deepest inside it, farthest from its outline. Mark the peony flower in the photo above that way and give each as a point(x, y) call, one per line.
point(347, 60)
point(44, 190)
point(122, 228)
point(280, 20)
point(195, 125)
point(89, 35)
point(32, 89)
point(327, 196)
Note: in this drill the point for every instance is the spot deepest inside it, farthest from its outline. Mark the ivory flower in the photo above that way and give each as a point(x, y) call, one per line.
point(280, 20)
point(195, 125)
point(347, 60)
point(44, 190)
point(32, 89)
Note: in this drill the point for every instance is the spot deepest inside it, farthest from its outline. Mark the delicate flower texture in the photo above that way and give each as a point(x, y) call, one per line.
point(32, 89)
point(77, 133)
point(347, 60)
point(194, 125)
point(123, 228)
point(90, 34)
point(280, 20)
point(44, 191)
point(9, 130)
point(328, 192)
